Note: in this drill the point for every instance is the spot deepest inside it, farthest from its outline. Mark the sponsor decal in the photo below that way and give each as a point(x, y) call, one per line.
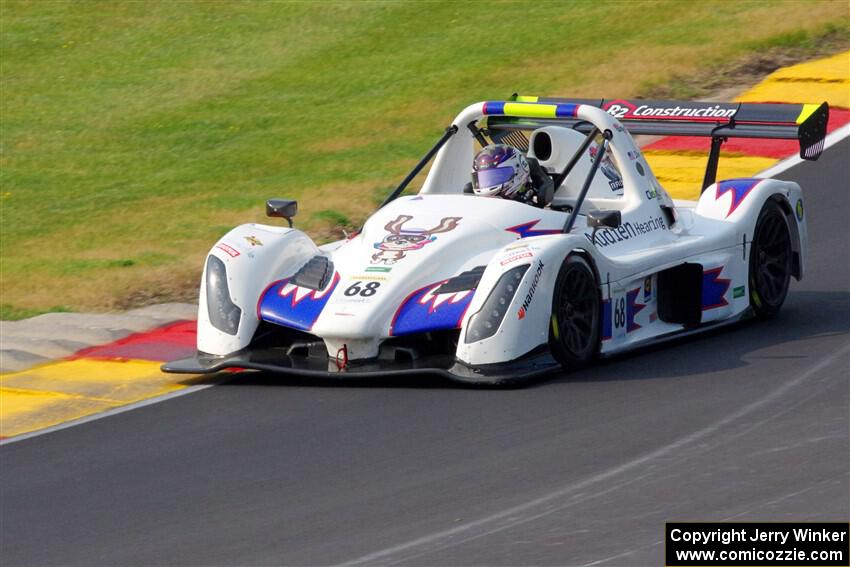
point(656, 188)
point(624, 109)
point(626, 231)
point(229, 250)
point(633, 155)
point(738, 292)
point(639, 168)
point(526, 230)
point(253, 241)
point(530, 295)
point(714, 289)
point(368, 278)
point(351, 299)
point(739, 188)
point(515, 257)
point(615, 182)
point(423, 310)
point(651, 193)
point(799, 209)
point(647, 288)
point(401, 240)
point(377, 269)
point(619, 127)
point(619, 108)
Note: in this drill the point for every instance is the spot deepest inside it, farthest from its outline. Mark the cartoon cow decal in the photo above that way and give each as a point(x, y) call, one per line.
point(400, 240)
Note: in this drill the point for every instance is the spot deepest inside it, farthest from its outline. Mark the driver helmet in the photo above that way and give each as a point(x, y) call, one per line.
point(499, 170)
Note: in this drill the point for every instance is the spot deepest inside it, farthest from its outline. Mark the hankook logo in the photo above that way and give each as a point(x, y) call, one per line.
point(530, 295)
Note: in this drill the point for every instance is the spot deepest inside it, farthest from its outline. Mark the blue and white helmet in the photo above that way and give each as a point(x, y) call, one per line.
point(500, 171)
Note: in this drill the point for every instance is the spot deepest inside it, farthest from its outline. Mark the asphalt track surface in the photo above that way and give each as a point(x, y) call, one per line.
point(748, 423)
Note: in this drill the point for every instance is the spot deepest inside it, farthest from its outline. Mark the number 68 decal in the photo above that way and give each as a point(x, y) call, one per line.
point(619, 318)
point(358, 288)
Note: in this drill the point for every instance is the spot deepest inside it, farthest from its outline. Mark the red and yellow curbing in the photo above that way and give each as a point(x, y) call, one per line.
point(94, 380)
point(813, 81)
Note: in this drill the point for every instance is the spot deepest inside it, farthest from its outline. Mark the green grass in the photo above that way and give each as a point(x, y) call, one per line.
point(798, 39)
point(134, 134)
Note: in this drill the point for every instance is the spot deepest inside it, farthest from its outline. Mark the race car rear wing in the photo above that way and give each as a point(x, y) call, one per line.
point(719, 121)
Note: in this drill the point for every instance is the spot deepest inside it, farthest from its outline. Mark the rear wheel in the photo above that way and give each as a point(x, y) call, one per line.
point(574, 324)
point(770, 261)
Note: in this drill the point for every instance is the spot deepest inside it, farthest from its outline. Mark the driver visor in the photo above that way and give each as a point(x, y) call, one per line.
point(492, 177)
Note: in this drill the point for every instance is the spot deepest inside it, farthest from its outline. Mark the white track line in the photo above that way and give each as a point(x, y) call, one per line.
point(836, 136)
point(107, 413)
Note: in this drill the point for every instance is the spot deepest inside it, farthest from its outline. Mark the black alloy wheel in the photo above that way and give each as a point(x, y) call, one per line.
point(574, 324)
point(770, 261)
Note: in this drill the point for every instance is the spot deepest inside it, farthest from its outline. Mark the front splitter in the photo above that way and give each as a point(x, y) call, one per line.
point(276, 360)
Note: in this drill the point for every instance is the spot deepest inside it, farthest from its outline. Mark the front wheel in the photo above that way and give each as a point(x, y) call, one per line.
point(574, 324)
point(770, 261)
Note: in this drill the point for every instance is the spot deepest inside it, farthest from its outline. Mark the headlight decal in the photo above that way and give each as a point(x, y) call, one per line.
point(486, 321)
point(224, 314)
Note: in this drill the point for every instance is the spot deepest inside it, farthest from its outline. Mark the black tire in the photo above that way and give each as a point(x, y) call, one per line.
point(770, 261)
point(575, 319)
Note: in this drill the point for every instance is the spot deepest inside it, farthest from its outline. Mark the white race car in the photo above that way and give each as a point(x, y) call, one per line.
point(489, 290)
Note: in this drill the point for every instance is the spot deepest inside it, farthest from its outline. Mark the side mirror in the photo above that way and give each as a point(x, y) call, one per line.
point(604, 219)
point(282, 208)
